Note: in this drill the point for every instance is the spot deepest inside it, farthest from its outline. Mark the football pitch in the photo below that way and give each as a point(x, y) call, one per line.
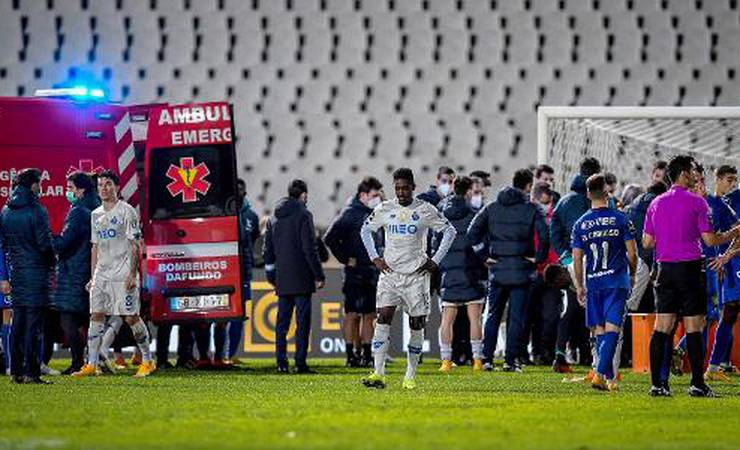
point(253, 407)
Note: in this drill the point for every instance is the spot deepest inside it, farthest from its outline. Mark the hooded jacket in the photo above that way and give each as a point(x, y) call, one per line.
point(291, 257)
point(460, 268)
point(344, 240)
point(510, 223)
point(249, 232)
point(636, 213)
point(569, 209)
point(430, 196)
point(72, 248)
point(24, 225)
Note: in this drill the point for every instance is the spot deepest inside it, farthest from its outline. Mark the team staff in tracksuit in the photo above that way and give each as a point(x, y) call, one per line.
point(569, 209)
point(72, 248)
point(26, 236)
point(360, 274)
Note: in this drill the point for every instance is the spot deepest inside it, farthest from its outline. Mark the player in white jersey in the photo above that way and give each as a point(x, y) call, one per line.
point(114, 287)
point(405, 269)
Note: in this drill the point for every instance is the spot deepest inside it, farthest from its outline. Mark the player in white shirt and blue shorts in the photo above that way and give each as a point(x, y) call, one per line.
point(404, 269)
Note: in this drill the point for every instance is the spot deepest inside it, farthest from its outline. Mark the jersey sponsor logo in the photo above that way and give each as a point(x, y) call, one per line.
point(402, 229)
point(188, 179)
point(108, 233)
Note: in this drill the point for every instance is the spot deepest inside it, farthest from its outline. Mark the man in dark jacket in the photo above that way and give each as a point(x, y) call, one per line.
point(360, 274)
point(570, 208)
point(441, 188)
point(24, 225)
point(511, 223)
point(460, 269)
point(292, 265)
point(72, 248)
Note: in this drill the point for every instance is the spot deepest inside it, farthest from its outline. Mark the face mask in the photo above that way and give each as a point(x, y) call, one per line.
point(373, 202)
point(444, 189)
point(71, 197)
point(476, 201)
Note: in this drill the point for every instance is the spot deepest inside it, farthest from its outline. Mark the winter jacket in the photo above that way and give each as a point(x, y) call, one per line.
point(4, 303)
point(24, 225)
point(636, 213)
point(511, 223)
point(72, 248)
point(733, 199)
point(291, 257)
point(460, 268)
point(430, 196)
point(344, 241)
point(569, 209)
point(249, 232)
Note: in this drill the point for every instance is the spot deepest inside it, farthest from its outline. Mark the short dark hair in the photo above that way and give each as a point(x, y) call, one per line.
point(522, 178)
point(29, 177)
point(678, 165)
point(404, 173)
point(724, 170)
point(596, 185)
point(657, 188)
point(462, 185)
point(368, 184)
point(296, 188)
point(109, 174)
point(445, 170)
point(610, 178)
point(241, 182)
point(541, 188)
point(699, 167)
point(81, 180)
point(660, 165)
point(590, 166)
point(543, 168)
point(484, 176)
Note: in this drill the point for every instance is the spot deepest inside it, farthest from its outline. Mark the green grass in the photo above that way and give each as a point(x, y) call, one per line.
point(255, 408)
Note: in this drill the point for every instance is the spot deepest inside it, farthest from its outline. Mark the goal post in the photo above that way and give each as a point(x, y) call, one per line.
point(628, 140)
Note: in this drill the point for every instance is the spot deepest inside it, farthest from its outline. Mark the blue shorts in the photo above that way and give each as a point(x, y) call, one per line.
point(606, 305)
point(5, 302)
point(730, 287)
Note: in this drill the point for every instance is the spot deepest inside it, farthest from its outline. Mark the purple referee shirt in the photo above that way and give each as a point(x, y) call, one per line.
point(677, 219)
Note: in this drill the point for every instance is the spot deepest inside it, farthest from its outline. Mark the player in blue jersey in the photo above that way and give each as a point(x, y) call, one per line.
point(604, 237)
point(723, 219)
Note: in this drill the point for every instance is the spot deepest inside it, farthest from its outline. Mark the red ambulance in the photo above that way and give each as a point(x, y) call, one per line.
point(177, 165)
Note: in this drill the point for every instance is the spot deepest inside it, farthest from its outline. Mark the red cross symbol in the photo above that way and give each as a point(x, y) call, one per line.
point(188, 179)
point(85, 166)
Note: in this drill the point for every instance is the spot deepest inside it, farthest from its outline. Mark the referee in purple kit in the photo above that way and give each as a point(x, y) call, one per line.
point(676, 223)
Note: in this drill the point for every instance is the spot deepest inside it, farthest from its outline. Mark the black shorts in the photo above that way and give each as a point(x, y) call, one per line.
point(359, 291)
point(681, 288)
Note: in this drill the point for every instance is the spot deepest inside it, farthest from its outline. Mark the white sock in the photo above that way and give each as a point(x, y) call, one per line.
point(594, 354)
point(445, 351)
point(141, 336)
point(416, 343)
point(617, 361)
point(380, 346)
point(94, 335)
point(114, 326)
point(477, 347)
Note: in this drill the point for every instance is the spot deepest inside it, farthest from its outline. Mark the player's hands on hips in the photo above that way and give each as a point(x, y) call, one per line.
point(5, 287)
point(382, 265)
point(428, 266)
point(718, 263)
point(131, 282)
point(88, 286)
point(320, 284)
point(581, 295)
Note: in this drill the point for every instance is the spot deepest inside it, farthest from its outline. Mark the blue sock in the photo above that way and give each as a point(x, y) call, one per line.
point(606, 354)
point(682, 343)
point(721, 342)
point(597, 343)
point(236, 328)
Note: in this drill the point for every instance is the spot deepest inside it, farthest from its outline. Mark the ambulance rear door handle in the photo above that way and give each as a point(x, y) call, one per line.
point(94, 135)
point(181, 233)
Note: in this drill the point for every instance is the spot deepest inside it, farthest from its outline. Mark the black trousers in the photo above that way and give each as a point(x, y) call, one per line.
point(25, 338)
point(572, 328)
point(73, 325)
point(302, 306)
point(163, 343)
point(543, 315)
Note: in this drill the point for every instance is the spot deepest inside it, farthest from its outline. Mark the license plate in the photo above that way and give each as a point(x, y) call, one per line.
point(199, 302)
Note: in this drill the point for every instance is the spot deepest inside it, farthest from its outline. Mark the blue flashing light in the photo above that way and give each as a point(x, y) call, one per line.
point(97, 93)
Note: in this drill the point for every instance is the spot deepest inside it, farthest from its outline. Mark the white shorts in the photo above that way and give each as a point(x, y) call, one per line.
point(111, 298)
point(410, 291)
point(480, 301)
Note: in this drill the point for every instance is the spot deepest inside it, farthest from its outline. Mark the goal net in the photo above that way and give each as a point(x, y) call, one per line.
point(629, 140)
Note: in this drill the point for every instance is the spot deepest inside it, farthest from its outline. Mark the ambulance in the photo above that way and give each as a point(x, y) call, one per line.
point(177, 165)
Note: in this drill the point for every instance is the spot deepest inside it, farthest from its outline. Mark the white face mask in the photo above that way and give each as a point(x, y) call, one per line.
point(444, 189)
point(476, 201)
point(373, 202)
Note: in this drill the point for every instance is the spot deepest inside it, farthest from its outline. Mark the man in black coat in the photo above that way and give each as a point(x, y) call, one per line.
point(510, 223)
point(292, 265)
point(72, 247)
point(24, 225)
point(360, 274)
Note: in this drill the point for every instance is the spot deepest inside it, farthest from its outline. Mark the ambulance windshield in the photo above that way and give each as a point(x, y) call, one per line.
point(189, 182)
